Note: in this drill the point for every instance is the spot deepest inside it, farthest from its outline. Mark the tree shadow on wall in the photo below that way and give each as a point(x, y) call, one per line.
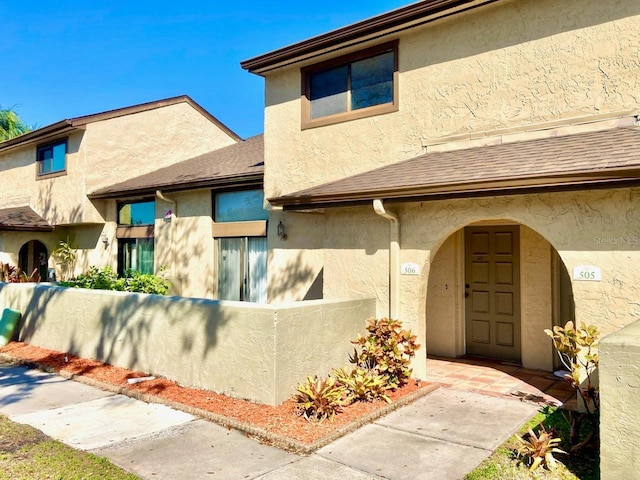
point(293, 276)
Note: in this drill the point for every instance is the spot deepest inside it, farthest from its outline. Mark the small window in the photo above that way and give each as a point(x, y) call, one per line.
point(354, 86)
point(240, 206)
point(52, 158)
point(137, 213)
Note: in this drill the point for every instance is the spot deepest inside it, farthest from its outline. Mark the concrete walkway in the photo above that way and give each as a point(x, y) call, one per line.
point(441, 436)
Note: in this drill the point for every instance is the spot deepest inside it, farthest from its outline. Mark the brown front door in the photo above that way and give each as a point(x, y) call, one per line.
point(492, 291)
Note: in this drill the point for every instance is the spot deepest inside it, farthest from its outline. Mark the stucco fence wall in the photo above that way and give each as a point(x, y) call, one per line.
point(257, 352)
point(619, 371)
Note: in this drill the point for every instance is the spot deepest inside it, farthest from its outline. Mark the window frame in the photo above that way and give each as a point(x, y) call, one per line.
point(45, 146)
point(214, 201)
point(122, 203)
point(307, 72)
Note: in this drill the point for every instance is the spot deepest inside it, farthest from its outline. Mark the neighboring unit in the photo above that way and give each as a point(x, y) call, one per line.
point(100, 182)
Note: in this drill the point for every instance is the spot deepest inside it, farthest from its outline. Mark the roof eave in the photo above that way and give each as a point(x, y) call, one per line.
point(588, 180)
point(384, 24)
point(226, 182)
point(9, 228)
point(39, 135)
point(79, 123)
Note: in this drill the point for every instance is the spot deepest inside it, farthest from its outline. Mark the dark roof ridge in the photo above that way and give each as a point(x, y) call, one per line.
point(379, 24)
point(79, 122)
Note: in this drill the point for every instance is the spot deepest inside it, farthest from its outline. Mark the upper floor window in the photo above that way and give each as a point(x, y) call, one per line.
point(239, 206)
point(137, 213)
point(52, 158)
point(354, 86)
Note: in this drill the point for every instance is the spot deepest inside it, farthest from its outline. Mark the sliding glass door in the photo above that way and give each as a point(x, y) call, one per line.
point(242, 269)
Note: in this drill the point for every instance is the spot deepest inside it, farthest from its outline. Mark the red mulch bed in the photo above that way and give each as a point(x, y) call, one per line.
point(280, 420)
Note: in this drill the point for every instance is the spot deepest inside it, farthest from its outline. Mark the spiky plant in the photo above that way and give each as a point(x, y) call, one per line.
point(320, 398)
point(363, 384)
point(537, 450)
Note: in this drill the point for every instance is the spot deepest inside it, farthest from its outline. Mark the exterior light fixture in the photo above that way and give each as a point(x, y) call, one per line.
point(105, 240)
point(281, 231)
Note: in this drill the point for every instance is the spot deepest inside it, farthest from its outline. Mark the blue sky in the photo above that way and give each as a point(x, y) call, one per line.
point(66, 59)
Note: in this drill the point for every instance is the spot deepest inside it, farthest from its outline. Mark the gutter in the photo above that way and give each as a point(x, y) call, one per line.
point(394, 258)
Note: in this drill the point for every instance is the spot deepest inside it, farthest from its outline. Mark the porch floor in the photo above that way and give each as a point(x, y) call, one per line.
point(494, 378)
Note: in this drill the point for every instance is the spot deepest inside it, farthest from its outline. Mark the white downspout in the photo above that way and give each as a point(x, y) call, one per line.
point(174, 214)
point(394, 258)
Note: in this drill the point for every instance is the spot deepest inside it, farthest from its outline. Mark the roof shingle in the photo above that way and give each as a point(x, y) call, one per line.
point(22, 218)
point(588, 157)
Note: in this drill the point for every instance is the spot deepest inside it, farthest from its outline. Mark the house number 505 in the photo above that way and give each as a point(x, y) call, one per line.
point(587, 273)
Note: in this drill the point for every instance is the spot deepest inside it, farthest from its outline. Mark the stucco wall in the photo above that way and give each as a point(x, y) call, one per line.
point(244, 350)
point(133, 145)
point(445, 304)
point(509, 66)
point(107, 152)
point(184, 243)
point(600, 228)
point(620, 403)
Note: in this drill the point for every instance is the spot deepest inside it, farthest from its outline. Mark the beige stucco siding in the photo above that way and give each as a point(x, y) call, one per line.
point(105, 153)
point(507, 65)
point(184, 243)
point(510, 66)
point(355, 257)
point(132, 145)
point(59, 199)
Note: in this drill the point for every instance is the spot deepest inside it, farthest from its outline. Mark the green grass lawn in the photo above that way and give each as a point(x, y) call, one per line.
point(27, 453)
point(504, 463)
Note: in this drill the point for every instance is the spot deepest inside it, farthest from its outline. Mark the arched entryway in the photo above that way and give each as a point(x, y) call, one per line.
point(34, 256)
point(493, 288)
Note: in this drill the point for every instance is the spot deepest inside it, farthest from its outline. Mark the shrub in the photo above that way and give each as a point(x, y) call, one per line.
point(387, 349)
point(577, 348)
point(362, 384)
point(66, 253)
point(320, 398)
point(107, 279)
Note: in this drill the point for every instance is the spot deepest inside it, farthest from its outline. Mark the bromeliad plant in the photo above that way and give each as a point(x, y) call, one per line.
point(363, 384)
point(537, 450)
point(578, 352)
point(320, 398)
point(387, 350)
point(381, 364)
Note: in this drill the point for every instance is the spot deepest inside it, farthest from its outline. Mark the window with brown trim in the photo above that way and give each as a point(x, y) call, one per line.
point(136, 236)
point(353, 86)
point(52, 158)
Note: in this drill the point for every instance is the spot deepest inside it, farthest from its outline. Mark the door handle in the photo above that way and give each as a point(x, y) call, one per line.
point(466, 292)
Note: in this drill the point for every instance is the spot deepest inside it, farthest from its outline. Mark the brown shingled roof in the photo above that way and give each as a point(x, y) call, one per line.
point(236, 165)
point(22, 218)
point(584, 160)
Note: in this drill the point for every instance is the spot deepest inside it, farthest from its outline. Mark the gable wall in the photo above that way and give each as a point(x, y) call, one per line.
point(107, 152)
